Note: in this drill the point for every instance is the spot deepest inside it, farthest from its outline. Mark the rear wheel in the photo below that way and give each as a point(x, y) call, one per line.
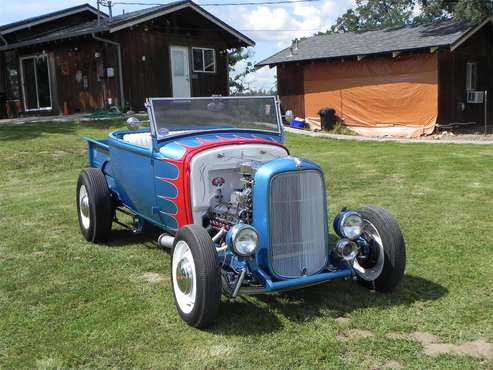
point(195, 275)
point(94, 205)
point(383, 267)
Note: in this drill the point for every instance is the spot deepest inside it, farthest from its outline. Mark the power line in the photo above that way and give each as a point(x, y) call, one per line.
point(222, 4)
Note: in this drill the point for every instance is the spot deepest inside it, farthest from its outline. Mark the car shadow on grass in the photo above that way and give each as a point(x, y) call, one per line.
point(124, 237)
point(340, 298)
point(260, 313)
point(335, 299)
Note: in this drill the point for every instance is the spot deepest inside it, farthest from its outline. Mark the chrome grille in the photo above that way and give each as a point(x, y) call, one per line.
point(297, 223)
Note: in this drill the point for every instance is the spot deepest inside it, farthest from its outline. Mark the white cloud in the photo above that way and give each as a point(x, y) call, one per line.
point(275, 27)
point(283, 23)
point(262, 79)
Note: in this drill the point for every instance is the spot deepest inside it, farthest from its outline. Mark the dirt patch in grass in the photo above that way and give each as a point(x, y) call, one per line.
point(354, 334)
point(39, 254)
point(479, 348)
point(395, 365)
point(343, 321)
point(396, 335)
point(153, 277)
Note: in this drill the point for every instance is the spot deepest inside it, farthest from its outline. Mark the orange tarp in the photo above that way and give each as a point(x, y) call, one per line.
point(378, 96)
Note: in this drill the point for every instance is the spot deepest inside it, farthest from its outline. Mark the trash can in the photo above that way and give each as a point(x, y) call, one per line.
point(327, 118)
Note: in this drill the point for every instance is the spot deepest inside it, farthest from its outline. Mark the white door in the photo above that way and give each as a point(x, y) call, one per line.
point(180, 72)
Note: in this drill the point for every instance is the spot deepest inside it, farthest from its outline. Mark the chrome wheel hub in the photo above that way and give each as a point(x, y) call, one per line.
point(371, 271)
point(184, 276)
point(84, 206)
point(84, 209)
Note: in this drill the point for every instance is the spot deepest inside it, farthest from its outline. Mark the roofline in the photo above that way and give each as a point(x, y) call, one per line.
point(381, 53)
point(247, 40)
point(123, 25)
point(144, 18)
point(452, 47)
point(470, 33)
point(182, 5)
point(28, 43)
point(56, 15)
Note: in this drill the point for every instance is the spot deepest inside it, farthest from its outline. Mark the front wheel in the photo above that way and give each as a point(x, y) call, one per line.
point(383, 267)
point(195, 275)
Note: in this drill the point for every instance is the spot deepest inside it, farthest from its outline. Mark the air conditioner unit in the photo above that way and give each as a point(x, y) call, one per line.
point(475, 97)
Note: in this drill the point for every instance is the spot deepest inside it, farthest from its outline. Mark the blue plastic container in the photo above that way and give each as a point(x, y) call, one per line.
point(297, 124)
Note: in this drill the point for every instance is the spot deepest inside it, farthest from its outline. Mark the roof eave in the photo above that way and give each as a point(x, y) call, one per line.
point(60, 14)
point(266, 62)
point(29, 43)
point(470, 33)
point(182, 5)
point(243, 40)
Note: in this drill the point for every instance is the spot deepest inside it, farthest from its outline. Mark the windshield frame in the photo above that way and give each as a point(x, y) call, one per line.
point(154, 128)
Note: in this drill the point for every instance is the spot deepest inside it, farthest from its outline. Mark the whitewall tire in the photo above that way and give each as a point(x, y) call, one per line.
point(195, 276)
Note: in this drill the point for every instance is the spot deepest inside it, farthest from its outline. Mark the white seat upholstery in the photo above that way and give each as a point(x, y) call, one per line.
point(139, 138)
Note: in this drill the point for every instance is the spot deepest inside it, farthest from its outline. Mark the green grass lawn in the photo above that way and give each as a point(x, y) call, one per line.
point(65, 303)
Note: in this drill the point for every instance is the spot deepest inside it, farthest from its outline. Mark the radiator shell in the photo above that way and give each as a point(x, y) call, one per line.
point(272, 237)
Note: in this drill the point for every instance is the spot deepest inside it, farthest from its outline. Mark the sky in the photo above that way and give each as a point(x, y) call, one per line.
point(272, 27)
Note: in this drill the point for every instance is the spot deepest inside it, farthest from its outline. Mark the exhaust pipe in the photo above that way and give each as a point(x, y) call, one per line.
point(165, 241)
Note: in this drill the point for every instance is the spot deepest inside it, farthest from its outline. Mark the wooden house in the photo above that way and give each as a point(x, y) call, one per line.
point(79, 60)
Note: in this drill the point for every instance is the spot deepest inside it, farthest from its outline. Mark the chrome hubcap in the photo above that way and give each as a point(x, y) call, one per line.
point(84, 211)
point(84, 206)
point(373, 271)
point(184, 276)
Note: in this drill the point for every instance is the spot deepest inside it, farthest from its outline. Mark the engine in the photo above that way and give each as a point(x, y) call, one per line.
point(224, 213)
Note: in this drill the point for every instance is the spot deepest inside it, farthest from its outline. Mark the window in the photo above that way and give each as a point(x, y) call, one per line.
point(204, 60)
point(36, 84)
point(471, 76)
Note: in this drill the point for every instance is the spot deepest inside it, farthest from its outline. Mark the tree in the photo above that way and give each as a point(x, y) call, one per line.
point(374, 14)
point(468, 10)
point(239, 68)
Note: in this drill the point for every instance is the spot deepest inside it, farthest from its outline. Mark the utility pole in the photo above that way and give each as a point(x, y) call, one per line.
point(99, 13)
point(106, 3)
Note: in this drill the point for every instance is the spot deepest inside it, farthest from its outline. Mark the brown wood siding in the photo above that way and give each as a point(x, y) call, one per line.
point(290, 88)
point(80, 76)
point(452, 79)
point(147, 71)
point(145, 62)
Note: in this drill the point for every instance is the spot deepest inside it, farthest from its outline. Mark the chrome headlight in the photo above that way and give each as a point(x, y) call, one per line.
point(348, 224)
point(243, 239)
point(347, 249)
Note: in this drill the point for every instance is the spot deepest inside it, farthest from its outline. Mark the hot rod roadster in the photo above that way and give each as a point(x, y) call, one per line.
point(240, 214)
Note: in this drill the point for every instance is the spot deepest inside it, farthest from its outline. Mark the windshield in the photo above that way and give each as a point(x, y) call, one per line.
point(216, 113)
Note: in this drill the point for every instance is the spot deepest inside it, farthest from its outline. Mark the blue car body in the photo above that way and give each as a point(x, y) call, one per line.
point(150, 182)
